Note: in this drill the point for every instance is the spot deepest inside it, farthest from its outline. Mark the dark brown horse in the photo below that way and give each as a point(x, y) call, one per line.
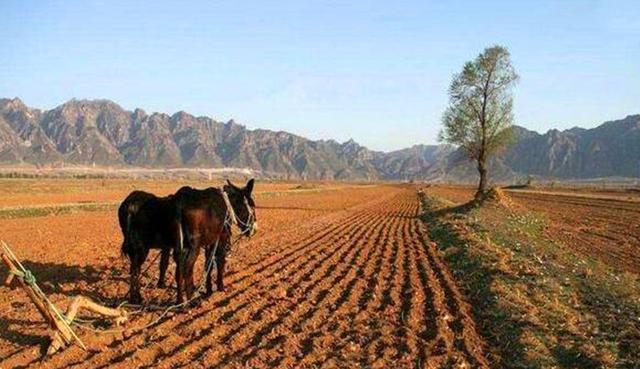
point(147, 222)
point(207, 217)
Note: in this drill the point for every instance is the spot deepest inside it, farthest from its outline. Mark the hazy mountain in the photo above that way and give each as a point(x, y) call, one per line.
point(100, 132)
point(611, 149)
point(419, 161)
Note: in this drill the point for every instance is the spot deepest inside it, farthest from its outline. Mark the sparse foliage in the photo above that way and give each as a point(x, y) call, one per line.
point(479, 117)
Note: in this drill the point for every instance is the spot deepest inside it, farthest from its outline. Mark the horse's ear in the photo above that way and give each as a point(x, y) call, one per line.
point(229, 187)
point(232, 185)
point(249, 187)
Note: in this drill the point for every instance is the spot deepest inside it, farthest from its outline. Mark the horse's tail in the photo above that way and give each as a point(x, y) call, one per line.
point(127, 250)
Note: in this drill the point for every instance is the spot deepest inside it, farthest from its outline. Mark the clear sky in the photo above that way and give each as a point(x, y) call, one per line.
point(374, 71)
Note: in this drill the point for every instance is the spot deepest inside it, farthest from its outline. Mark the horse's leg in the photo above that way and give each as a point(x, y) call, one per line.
point(207, 269)
point(164, 264)
point(136, 265)
point(188, 273)
point(177, 256)
point(221, 256)
point(134, 275)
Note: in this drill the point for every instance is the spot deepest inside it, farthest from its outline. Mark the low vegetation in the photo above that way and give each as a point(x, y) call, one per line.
point(538, 304)
point(39, 211)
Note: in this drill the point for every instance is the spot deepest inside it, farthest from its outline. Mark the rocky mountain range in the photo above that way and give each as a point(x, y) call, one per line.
point(101, 133)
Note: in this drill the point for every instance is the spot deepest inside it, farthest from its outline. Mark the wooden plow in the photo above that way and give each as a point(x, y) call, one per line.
point(61, 332)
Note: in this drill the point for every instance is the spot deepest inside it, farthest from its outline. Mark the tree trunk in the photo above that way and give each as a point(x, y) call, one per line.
point(482, 185)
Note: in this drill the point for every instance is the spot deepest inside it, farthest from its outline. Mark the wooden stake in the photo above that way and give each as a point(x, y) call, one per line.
point(37, 301)
point(62, 334)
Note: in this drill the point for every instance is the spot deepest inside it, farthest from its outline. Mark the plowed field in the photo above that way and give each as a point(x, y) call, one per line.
point(338, 278)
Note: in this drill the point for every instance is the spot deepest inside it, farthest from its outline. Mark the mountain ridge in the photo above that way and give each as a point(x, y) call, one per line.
point(100, 132)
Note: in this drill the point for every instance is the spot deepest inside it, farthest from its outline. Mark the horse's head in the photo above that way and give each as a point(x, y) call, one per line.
point(243, 206)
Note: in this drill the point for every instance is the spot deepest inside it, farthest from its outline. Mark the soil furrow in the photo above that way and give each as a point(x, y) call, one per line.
point(342, 305)
point(314, 291)
point(299, 271)
point(346, 287)
point(466, 338)
point(232, 300)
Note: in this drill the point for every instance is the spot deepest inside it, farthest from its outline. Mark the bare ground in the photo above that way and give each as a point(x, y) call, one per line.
point(340, 278)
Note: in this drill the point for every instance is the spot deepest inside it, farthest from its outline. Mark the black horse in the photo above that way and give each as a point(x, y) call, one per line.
point(147, 222)
point(207, 217)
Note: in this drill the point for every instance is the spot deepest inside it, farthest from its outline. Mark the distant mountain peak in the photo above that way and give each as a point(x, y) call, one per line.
point(351, 143)
point(14, 103)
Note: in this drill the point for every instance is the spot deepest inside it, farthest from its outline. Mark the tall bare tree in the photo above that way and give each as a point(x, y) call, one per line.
point(480, 112)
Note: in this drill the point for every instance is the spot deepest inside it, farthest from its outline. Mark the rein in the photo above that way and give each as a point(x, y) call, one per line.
point(232, 219)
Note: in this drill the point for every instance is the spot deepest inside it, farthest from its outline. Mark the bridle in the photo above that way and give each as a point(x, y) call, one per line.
point(246, 228)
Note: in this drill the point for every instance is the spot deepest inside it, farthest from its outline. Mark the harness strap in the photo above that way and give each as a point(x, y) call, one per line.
point(230, 211)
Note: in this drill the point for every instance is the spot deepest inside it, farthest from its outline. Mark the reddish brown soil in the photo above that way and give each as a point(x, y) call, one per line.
point(340, 278)
point(631, 194)
point(607, 228)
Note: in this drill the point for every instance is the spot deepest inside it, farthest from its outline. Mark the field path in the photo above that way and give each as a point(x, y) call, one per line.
point(357, 287)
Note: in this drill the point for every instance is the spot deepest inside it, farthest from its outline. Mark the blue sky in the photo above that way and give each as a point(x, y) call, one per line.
point(374, 71)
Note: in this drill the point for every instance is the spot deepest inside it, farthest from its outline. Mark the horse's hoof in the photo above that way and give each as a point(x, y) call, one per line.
point(135, 300)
